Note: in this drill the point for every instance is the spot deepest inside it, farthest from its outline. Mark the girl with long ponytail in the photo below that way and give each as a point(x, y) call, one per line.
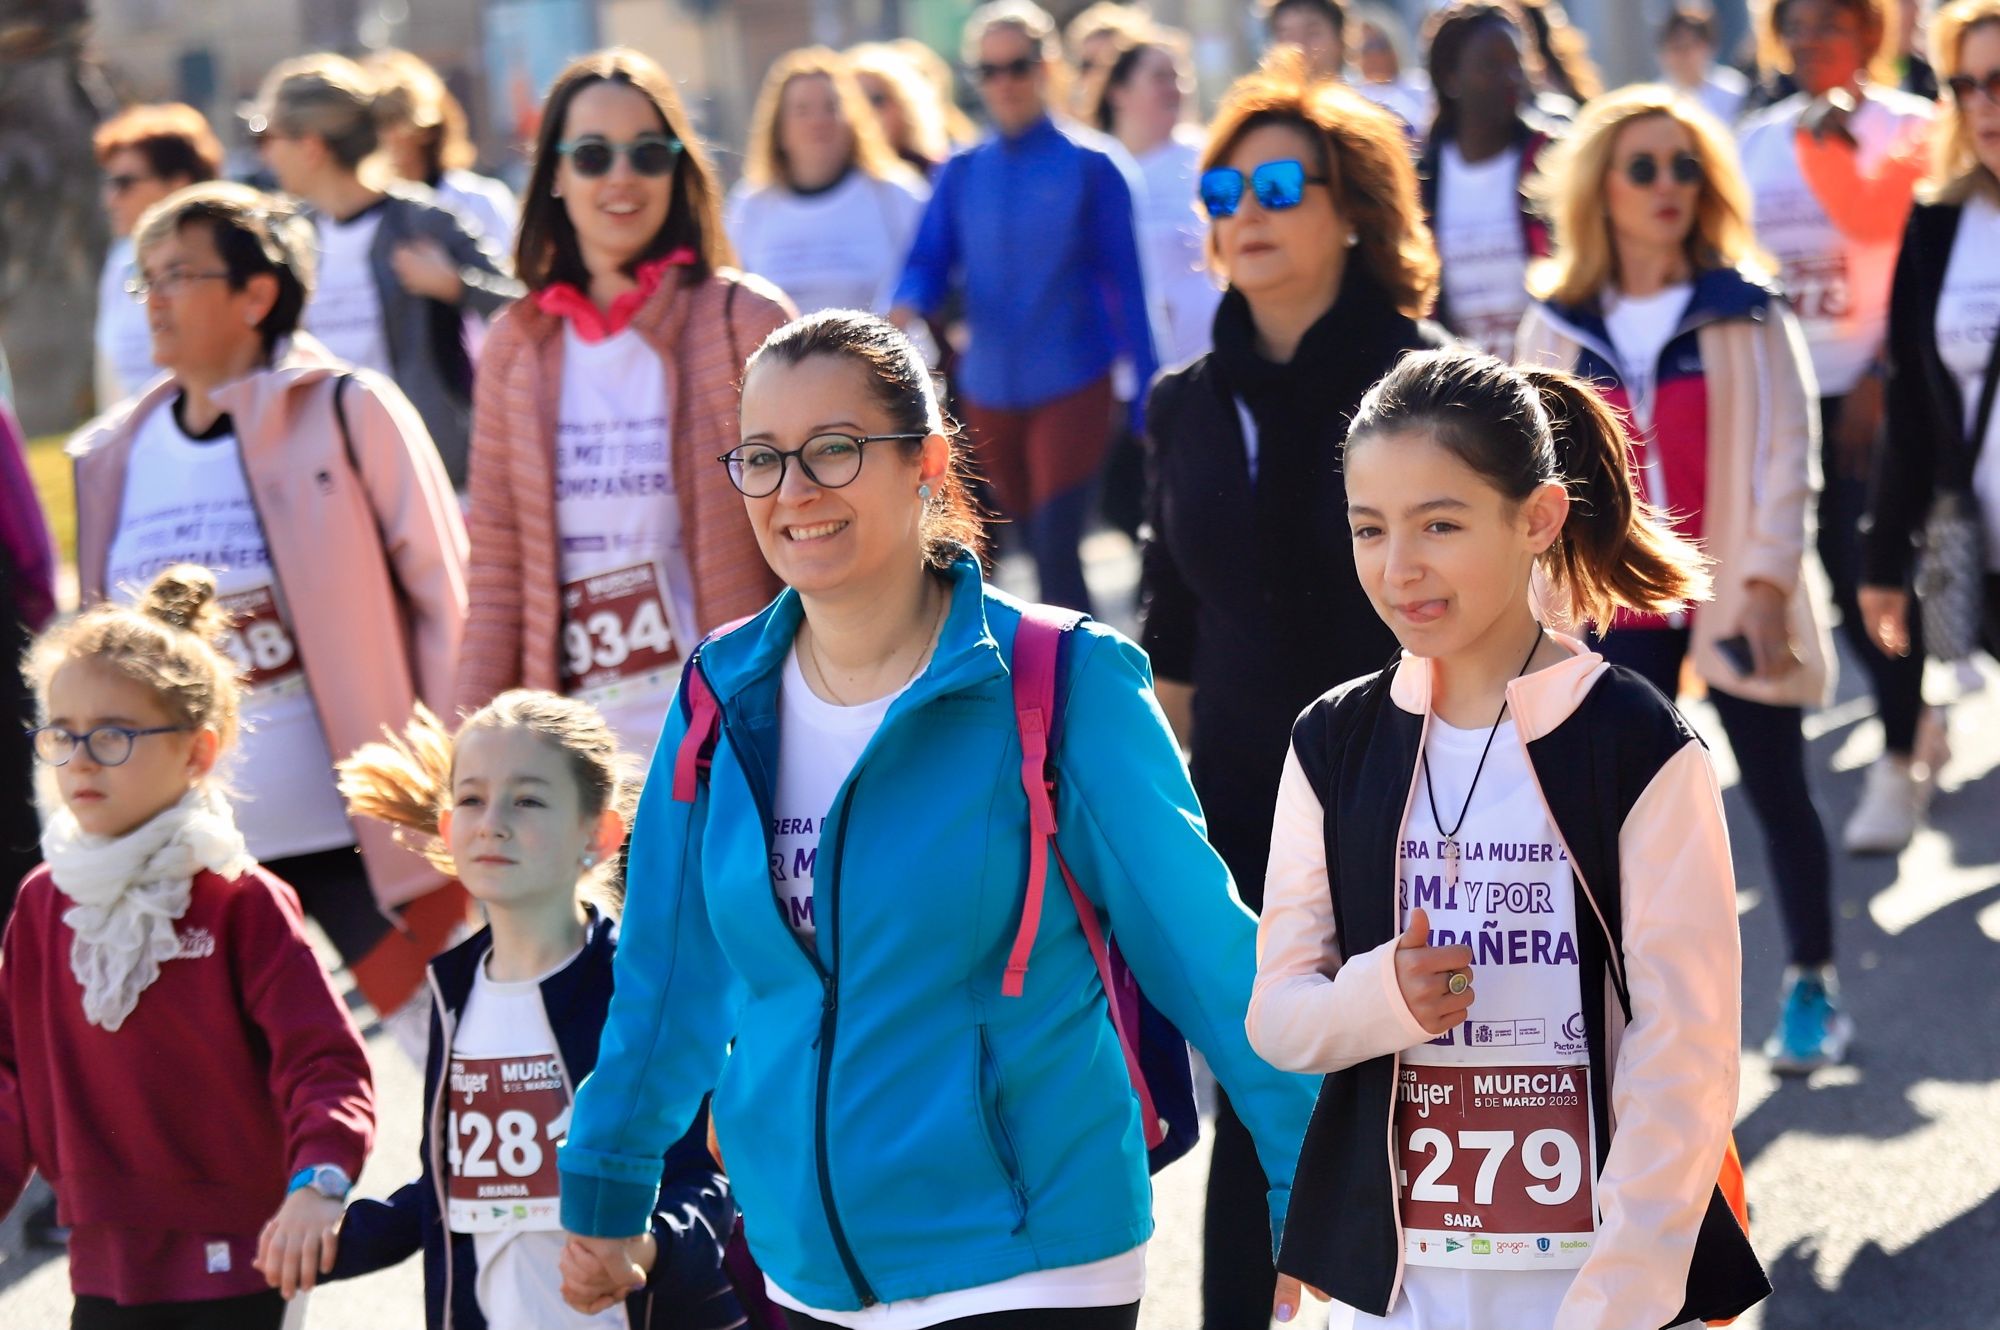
point(1500, 914)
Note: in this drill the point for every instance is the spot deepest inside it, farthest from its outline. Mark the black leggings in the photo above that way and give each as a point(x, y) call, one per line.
point(252, 1311)
point(1770, 747)
point(1059, 1318)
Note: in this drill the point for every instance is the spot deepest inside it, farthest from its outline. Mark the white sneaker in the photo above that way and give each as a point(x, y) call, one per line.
point(1932, 750)
point(1891, 805)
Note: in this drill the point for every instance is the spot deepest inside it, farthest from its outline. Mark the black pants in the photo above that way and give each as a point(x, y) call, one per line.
point(1237, 1278)
point(252, 1311)
point(333, 890)
point(1770, 747)
point(1061, 1318)
point(1896, 681)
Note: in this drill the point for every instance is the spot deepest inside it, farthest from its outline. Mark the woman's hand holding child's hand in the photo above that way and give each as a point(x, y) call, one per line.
point(1424, 972)
point(299, 1243)
point(601, 1272)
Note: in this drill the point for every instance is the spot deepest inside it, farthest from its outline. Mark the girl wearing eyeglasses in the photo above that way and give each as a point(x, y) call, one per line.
point(1248, 596)
point(162, 1015)
point(825, 209)
point(1653, 294)
point(398, 270)
point(1832, 171)
point(313, 493)
point(605, 538)
point(1942, 328)
point(841, 893)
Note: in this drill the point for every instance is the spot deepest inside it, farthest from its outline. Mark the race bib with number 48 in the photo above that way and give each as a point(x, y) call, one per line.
point(1496, 1166)
point(259, 640)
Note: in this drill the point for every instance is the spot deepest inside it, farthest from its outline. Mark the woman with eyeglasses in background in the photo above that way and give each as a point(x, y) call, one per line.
point(605, 539)
point(397, 271)
point(1249, 599)
point(1092, 41)
point(905, 104)
point(1654, 295)
point(1942, 329)
point(825, 210)
point(146, 153)
point(1833, 170)
point(311, 492)
point(1036, 225)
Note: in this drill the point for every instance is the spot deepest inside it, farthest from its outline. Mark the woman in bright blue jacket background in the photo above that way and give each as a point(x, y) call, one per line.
point(895, 1128)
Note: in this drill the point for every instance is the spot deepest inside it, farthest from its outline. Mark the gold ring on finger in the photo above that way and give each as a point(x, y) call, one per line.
point(1458, 983)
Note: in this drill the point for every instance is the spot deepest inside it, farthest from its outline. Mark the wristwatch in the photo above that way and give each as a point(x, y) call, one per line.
point(329, 1180)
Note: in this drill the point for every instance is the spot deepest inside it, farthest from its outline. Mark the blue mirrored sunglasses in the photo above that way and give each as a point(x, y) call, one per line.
point(1278, 185)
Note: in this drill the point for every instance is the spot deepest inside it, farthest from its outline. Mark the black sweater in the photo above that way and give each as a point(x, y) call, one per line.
point(1925, 449)
point(1249, 591)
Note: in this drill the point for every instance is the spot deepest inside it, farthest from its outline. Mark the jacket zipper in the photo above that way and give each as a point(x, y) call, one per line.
point(828, 1013)
point(448, 1026)
point(989, 1065)
point(829, 1005)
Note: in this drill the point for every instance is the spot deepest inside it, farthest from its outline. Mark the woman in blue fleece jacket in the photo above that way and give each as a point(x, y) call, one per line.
point(840, 894)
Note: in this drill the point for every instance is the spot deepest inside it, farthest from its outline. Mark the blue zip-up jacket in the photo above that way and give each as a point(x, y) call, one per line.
point(1038, 231)
point(894, 1126)
point(691, 1219)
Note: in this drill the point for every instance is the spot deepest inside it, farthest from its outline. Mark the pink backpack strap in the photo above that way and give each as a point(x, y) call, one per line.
point(1037, 649)
point(697, 750)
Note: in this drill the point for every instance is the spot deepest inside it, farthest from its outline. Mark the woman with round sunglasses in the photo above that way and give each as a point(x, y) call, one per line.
point(1034, 227)
point(820, 926)
point(1248, 595)
point(1654, 295)
point(397, 270)
point(1484, 144)
point(825, 210)
point(1833, 169)
point(312, 492)
point(605, 540)
point(1941, 344)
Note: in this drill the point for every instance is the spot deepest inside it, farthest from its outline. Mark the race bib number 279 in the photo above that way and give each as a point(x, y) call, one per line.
point(1496, 1166)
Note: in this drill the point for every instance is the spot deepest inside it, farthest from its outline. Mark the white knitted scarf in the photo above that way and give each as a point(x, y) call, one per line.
point(129, 890)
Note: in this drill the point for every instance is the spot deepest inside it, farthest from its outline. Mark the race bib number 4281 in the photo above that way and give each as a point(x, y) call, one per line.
point(1496, 1166)
point(506, 1118)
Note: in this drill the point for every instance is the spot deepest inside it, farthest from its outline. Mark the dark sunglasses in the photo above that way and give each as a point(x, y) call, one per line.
point(1278, 185)
point(650, 155)
point(1964, 85)
point(1018, 68)
point(1644, 169)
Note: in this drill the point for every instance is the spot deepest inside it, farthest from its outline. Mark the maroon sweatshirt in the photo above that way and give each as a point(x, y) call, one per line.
point(170, 1141)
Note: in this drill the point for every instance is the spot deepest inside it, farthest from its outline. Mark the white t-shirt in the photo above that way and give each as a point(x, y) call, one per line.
point(627, 592)
point(508, 1101)
point(1408, 97)
point(486, 204)
point(1171, 235)
point(187, 501)
point(1508, 1262)
point(1968, 315)
point(1483, 254)
point(1640, 328)
point(124, 342)
point(1838, 286)
point(345, 311)
point(818, 745)
point(837, 248)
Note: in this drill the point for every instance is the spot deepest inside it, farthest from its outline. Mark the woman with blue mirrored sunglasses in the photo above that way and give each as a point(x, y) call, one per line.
point(1277, 185)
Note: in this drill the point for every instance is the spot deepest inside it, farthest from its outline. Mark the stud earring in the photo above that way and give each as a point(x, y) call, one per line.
point(1353, 239)
point(924, 493)
point(590, 861)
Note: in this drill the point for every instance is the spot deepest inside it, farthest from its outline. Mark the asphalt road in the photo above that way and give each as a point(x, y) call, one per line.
point(1875, 1187)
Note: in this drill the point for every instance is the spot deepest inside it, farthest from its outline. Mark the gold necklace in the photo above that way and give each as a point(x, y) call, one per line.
point(923, 653)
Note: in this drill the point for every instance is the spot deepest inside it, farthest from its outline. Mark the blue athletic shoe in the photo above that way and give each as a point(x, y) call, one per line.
point(1812, 1030)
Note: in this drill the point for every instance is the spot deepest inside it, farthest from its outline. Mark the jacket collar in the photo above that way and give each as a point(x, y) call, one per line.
point(1538, 702)
point(456, 969)
point(1718, 295)
point(743, 663)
